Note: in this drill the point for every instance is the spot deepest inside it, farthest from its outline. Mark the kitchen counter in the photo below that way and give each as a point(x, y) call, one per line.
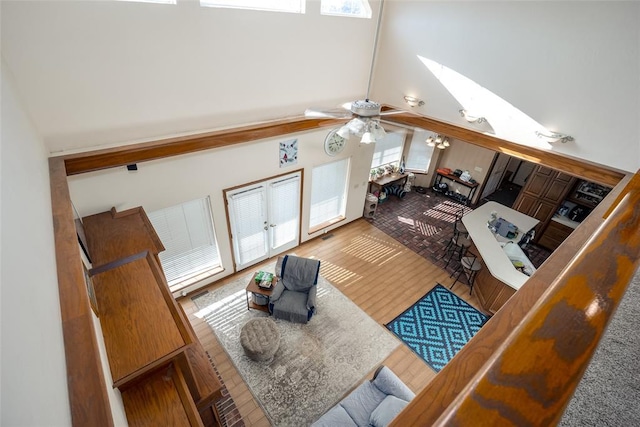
point(490, 245)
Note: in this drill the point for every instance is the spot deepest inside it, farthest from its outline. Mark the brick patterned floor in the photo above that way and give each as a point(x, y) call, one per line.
point(424, 224)
point(227, 409)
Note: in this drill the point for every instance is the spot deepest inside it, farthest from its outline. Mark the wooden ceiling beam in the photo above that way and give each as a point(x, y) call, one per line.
point(129, 154)
point(579, 168)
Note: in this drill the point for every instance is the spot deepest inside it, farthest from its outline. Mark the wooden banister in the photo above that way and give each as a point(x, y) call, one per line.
point(87, 388)
point(523, 369)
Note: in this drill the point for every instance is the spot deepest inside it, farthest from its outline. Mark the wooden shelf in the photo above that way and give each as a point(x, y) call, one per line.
point(145, 331)
point(141, 322)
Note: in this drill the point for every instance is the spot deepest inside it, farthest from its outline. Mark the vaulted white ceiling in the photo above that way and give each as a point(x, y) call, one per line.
point(108, 72)
point(105, 73)
point(570, 67)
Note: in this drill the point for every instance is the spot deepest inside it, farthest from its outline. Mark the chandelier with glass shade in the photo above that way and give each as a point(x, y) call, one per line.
point(438, 141)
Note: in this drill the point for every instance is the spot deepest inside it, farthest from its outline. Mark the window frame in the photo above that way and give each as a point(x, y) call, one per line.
point(251, 5)
point(368, 13)
point(417, 137)
point(207, 270)
point(341, 215)
point(390, 133)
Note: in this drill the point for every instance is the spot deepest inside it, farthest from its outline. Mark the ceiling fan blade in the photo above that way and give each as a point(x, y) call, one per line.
point(328, 114)
point(391, 112)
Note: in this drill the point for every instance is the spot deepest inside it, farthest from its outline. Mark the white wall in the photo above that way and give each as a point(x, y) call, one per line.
point(33, 373)
point(571, 66)
point(107, 72)
point(161, 183)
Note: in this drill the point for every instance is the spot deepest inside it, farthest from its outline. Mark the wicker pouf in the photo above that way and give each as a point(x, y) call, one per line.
point(260, 339)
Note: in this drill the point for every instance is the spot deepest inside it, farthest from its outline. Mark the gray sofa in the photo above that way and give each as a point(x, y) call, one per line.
point(374, 403)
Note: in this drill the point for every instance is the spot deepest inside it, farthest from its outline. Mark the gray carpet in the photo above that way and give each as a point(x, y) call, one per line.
point(609, 393)
point(316, 364)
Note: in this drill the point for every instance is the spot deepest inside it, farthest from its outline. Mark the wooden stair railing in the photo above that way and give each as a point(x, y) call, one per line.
point(87, 387)
point(523, 366)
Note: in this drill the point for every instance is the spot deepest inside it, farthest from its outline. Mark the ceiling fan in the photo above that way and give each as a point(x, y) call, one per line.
point(365, 114)
point(365, 119)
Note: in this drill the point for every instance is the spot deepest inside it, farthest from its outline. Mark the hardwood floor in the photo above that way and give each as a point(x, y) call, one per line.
point(376, 272)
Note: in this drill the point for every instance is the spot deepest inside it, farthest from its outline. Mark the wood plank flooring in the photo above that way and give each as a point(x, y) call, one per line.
point(377, 273)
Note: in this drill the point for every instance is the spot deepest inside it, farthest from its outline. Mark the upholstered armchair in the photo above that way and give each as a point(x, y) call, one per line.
point(294, 295)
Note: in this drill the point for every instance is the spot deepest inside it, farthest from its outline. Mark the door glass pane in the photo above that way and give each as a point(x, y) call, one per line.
point(249, 219)
point(284, 209)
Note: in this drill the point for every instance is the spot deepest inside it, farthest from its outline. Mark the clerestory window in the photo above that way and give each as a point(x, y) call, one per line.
point(293, 6)
point(353, 8)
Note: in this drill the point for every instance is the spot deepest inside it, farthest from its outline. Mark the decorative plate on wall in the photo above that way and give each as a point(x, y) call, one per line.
point(288, 153)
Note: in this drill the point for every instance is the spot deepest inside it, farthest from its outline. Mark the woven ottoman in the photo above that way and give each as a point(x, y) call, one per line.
point(260, 339)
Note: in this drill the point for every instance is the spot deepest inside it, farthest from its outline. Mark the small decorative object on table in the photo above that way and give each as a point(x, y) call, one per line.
point(264, 279)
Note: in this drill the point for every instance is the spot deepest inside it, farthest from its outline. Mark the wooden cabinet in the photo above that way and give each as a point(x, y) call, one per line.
point(491, 292)
point(588, 194)
point(554, 235)
point(156, 361)
point(542, 195)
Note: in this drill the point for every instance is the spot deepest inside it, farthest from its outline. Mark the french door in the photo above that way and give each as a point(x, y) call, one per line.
point(264, 219)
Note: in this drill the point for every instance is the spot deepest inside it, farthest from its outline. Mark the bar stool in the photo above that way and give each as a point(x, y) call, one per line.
point(458, 245)
point(470, 266)
point(458, 227)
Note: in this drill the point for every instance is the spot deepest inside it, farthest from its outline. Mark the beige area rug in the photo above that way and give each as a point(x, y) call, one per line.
point(316, 364)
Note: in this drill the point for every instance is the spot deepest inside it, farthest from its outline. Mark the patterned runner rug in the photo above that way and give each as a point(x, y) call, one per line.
point(316, 364)
point(437, 326)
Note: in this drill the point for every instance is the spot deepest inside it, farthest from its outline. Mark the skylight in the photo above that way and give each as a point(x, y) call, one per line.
point(507, 121)
point(353, 8)
point(293, 6)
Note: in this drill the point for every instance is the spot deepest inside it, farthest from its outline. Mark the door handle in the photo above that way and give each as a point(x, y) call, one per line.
point(272, 225)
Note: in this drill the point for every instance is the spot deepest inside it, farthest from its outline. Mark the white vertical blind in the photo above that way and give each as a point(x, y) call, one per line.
point(389, 149)
point(419, 155)
point(328, 192)
point(186, 231)
point(284, 210)
point(248, 209)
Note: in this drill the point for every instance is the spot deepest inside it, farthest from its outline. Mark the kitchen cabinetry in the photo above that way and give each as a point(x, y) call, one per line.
point(588, 194)
point(491, 292)
point(541, 196)
point(554, 235)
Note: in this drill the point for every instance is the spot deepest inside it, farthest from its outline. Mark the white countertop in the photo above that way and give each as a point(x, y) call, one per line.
point(564, 220)
point(489, 245)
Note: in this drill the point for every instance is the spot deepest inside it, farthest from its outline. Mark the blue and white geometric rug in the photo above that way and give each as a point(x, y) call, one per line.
point(437, 326)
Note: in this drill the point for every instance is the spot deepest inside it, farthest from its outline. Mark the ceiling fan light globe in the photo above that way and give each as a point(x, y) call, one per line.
point(445, 143)
point(367, 138)
point(356, 126)
point(344, 132)
point(378, 132)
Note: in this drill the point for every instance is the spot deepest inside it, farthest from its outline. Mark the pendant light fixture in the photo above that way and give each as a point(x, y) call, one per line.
point(437, 140)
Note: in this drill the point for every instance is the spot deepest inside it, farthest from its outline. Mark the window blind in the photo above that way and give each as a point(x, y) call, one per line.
point(328, 191)
point(389, 149)
point(249, 212)
point(186, 231)
point(419, 155)
point(284, 210)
